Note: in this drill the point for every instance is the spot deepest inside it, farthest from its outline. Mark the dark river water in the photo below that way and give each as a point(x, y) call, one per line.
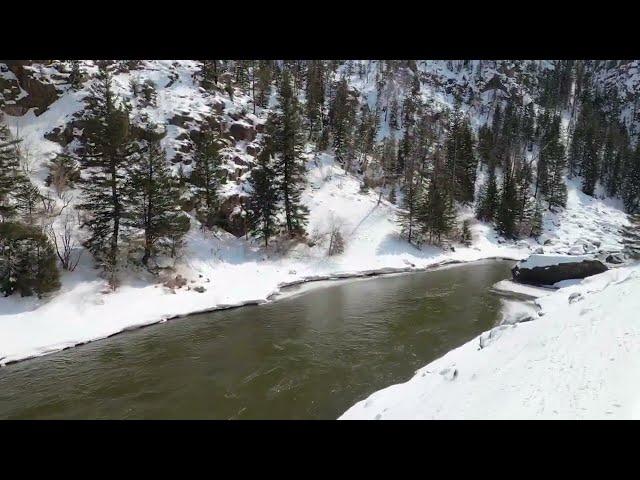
point(312, 355)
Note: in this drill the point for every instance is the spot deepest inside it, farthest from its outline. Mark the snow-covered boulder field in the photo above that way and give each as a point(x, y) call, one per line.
point(540, 269)
point(577, 360)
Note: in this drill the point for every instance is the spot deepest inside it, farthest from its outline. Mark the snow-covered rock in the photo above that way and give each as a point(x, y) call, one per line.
point(550, 269)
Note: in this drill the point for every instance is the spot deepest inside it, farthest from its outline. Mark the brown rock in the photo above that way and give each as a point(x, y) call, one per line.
point(242, 131)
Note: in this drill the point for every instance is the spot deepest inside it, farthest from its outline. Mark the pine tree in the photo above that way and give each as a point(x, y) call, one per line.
point(437, 212)
point(314, 97)
point(556, 189)
point(155, 203)
point(289, 161)
point(590, 163)
point(209, 72)
point(205, 176)
point(10, 173)
point(465, 234)
point(536, 221)
point(508, 210)
point(28, 198)
point(408, 215)
point(461, 159)
point(110, 148)
point(489, 200)
point(264, 202)
point(27, 261)
point(631, 184)
point(263, 82)
point(342, 118)
point(75, 76)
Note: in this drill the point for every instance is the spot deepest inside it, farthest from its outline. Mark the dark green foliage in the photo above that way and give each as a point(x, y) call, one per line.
point(342, 121)
point(461, 159)
point(289, 162)
point(408, 215)
point(10, 174)
point(206, 177)
point(27, 261)
point(631, 183)
point(314, 98)
point(209, 72)
point(465, 233)
point(536, 221)
point(110, 148)
point(509, 209)
point(155, 203)
point(489, 199)
point(437, 213)
point(28, 201)
point(75, 76)
point(264, 202)
point(553, 158)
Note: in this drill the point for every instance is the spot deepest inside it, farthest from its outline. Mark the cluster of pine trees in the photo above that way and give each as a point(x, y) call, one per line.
point(27, 258)
point(126, 184)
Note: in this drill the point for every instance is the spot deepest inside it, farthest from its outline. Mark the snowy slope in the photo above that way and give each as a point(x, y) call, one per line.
point(577, 361)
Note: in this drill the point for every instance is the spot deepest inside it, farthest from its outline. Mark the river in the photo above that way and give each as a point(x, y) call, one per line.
point(307, 356)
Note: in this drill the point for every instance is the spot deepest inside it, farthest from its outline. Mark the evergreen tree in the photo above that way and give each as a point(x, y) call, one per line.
point(631, 184)
point(461, 159)
point(536, 221)
point(27, 198)
point(289, 161)
point(205, 176)
point(155, 199)
point(27, 261)
point(314, 97)
point(408, 215)
point(264, 202)
point(10, 173)
point(75, 76)
point(465, 234)
point(263, 82)
point(590, 163)
point(509, 208)
point(209, 72)
point(555, 160)
point(110, 148)
point(489, 199)
point(342, 118)
point(437, 212)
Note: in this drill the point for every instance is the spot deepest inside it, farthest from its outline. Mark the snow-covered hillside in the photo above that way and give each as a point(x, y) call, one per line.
point(577, 360)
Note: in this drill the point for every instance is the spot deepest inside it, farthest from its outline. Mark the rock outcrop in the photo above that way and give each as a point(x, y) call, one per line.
point(547, 273)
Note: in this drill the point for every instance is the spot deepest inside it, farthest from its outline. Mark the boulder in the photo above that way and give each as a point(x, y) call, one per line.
point(253, 149)
point(242, 131)
point(614, 259)
point(550, 269)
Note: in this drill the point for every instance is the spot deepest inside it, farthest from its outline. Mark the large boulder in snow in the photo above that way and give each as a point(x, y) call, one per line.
point(242, 131)
point(550, 269)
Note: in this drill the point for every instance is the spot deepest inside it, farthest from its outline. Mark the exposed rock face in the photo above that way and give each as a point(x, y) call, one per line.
point(40, 94)
point(550, 274)
point(234, 221)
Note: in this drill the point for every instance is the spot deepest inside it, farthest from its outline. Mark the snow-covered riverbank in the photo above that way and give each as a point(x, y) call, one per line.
point(578, 360)
point(235, 272)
